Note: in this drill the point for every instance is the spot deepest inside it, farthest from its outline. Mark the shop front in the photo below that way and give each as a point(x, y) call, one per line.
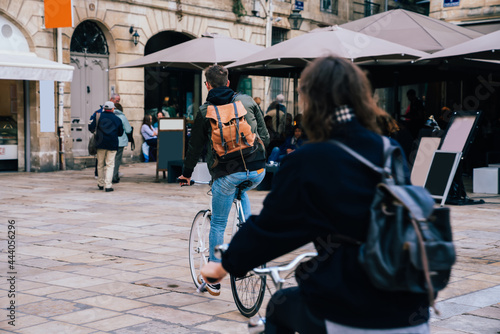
point(28, 132)
point(9, 124)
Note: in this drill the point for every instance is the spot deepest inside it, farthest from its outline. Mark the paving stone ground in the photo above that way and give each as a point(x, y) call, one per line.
point(87, 261)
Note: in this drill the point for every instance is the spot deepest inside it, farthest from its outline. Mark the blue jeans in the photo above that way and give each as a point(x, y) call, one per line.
point(275, 155)
point(223, 194)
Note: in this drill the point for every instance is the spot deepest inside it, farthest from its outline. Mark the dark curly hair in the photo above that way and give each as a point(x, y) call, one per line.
point(331, 82)
point(217, 76)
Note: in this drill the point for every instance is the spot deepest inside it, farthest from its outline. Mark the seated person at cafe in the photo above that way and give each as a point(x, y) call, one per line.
point(150, 136)
point(291, 144)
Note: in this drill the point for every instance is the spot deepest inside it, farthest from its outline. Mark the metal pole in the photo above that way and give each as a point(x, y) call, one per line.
point(397, 105)
point(269, 36)
point(60, 96)
point(295, 94)
point(27, 123)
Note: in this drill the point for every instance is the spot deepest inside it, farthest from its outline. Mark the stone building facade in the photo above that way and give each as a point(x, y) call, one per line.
point(479, 15)
point(102, 38)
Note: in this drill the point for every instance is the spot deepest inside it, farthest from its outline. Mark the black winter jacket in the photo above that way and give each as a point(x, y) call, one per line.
point(318, 191)
point(109, 128)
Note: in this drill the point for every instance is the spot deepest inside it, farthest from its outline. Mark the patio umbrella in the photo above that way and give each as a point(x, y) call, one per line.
point(299, 51)
point(197, 54)
point(484, 48)
point(413, 30)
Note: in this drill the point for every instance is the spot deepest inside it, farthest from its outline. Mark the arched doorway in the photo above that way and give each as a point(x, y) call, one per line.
point(89, 89)
point(169, 84)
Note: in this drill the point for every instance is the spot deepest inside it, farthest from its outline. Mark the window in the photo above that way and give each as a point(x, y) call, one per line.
point(89, 38)
point(371, 8)
point(278, 84)
point(330, 6)
point(245, 86)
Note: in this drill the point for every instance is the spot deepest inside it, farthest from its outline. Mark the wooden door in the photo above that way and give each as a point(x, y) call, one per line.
point(89, 90)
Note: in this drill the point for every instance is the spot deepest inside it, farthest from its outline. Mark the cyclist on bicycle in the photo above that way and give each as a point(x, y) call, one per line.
point(321, 191)
point(228, 174)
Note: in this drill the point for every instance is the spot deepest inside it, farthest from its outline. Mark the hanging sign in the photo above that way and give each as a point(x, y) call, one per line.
point(299, 5)
point(58, 13)
point(451, 3)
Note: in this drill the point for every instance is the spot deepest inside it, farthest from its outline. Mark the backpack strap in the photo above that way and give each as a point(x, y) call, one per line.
point(237, 119)
point(362, 159)
point(219, 122)
point(234, 96)
point(97, 115)
point(392, 172)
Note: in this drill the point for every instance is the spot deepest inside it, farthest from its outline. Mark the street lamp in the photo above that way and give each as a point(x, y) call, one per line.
point(295, 19)
point(135, 35)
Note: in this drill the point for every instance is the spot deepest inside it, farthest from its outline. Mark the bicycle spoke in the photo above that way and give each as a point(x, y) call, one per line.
point(248, 292)
point(198, 244)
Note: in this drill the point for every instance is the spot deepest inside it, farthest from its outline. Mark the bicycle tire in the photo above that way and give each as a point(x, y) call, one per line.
point(199, 244)
point(248, 292)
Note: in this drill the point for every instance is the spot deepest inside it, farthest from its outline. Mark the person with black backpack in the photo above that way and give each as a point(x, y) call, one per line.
point(233, 127)
point(325, 195)
point(115, 98)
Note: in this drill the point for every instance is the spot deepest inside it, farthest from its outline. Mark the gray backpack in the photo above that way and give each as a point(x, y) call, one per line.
point(409, 244)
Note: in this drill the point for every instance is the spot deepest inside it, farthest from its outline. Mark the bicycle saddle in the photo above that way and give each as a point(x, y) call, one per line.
point(245, 184)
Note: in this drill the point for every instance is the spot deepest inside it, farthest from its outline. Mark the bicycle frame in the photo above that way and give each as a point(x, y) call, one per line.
point(239, 218)
point(256, 324)
point(248, 291)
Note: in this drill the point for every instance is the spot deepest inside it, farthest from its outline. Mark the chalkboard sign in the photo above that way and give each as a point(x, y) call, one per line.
point(461, 131)
point(171, 134)
point(441, 172)
point(425, 152)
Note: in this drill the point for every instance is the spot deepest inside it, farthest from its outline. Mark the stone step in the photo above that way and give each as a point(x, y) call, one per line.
point(84, 162)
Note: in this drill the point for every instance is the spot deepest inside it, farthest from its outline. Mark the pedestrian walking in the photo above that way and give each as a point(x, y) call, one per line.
point(122, 141)
point(115, 98)
point(108, 130)
point(277, 111)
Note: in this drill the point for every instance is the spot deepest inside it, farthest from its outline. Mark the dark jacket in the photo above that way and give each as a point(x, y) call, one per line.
point(92, 117)
point(318, 191)
point(202, 131)
point(288, 144)
point(109, 128)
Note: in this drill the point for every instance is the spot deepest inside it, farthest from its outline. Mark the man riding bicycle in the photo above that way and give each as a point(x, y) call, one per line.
point(226, 174)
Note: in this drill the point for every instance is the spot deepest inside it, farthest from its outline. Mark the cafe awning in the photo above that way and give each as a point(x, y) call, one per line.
point(28, 66)
point(198, 53)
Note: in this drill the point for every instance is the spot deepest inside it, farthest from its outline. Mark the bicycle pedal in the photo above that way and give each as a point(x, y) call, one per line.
point(202, 288)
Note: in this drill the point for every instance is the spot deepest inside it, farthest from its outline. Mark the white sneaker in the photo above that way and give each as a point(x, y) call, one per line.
point(213, 289)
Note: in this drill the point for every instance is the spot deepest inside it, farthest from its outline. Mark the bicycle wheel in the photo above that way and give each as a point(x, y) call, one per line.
point(198, 243)
point(248, 292)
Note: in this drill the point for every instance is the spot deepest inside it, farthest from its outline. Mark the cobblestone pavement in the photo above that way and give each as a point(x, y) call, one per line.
point(87, 261)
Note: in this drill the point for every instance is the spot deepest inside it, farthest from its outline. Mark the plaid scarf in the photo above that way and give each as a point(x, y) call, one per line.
point(343, 114)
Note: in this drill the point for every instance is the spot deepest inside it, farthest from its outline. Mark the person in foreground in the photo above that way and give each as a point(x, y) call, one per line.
point(227, 174)
point(320, 191)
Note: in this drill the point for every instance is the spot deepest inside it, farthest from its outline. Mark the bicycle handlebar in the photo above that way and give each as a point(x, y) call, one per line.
point(290, 266)
point(273, 272)
point(183, 182)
